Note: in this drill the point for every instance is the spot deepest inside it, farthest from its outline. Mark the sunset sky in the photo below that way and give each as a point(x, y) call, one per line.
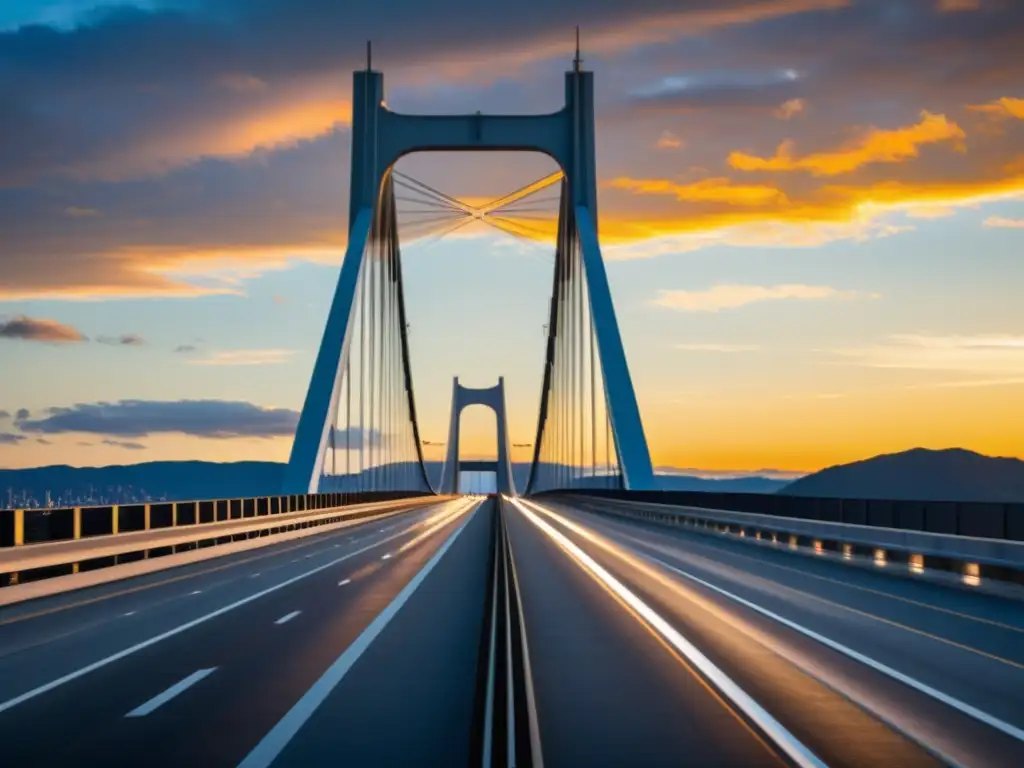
point(812, 213)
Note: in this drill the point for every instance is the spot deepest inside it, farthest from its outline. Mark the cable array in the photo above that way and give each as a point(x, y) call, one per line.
point(373, 441)
point(574, 447)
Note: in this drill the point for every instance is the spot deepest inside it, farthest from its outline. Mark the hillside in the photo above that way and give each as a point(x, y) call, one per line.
point(948, 475)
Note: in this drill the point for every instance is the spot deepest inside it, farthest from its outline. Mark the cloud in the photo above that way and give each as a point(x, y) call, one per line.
point(734, 296)
point(9, 438)
point(212, 161)
point(127, 445)
point(185, 349)
point(669, 140)
point(76, 212)
point(715, 190)
point(727, 348)
point(875, 146)
point(246, 357)
point(216, 419)
point(712, 90)
point(43, 441)
point(1001, 222)
point(37, 329)
point(5, 414)
point(984, 355)
point(1004, 107)
point(790, 109)
point(124, 340)
point(132, 91)
point(22, 414)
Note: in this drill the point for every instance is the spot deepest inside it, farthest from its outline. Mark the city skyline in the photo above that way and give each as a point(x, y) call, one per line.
point(814, 253)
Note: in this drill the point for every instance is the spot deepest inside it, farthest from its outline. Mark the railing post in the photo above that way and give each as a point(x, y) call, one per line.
point(174, 514)
point(114, 522)
point(77, 522)
point(145, 517)
point(19, 527)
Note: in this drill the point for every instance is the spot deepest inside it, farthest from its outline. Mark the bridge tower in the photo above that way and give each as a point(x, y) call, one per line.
point(493, 398)
point(380, 137)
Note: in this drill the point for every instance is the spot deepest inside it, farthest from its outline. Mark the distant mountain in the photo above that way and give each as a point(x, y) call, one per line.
point(919, 474)
point(751, 484)
point(186, 480)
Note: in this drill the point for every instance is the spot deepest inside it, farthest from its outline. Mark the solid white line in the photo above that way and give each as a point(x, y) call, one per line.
point(386, 557)
point(878, 666)
point(343, 582)
point(536, 753)
point(489, 701)
point(196, 592)
point(159, 700)
point(253, 576)
point(772, 728)
point(287, 617)
point(130, 613)
point(510, 699)
point(4, 706)
point(271, 745)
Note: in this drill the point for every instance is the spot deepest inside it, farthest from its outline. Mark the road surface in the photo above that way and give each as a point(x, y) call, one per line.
point(968, 648)
point(202, 670)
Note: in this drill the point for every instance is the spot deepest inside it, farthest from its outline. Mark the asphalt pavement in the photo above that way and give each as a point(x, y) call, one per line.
point(202, 670)
point(862, 667)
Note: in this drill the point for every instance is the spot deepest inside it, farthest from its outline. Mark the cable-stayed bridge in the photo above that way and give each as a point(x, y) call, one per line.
point(369, 615)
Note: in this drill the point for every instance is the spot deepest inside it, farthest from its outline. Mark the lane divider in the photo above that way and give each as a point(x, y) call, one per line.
point(175, 690)
point(82, 671)
point(274, 742)
point(287, 617)
point(785, 741)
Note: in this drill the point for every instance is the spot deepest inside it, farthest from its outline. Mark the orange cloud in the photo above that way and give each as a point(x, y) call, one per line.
point(716, 190)
point(274, 123)
point(875, 146)
point(1001, 108)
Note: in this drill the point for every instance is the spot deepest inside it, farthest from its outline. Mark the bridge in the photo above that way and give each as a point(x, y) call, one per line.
point(370, 615)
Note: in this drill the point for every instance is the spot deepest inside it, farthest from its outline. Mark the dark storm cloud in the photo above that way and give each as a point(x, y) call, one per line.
point(8, 438)
point(139, 418)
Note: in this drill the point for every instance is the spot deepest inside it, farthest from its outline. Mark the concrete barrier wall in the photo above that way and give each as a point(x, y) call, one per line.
point(970, 519)
point(36, 526)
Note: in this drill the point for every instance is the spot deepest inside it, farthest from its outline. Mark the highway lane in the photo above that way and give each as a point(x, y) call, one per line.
point(609, 691)
point(74, 612)
point(235, 650)
point(965, 646)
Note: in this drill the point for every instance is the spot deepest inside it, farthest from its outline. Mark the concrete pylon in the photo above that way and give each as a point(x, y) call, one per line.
point(493, 398)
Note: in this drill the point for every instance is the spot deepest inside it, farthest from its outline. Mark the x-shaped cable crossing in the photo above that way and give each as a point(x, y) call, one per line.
point(438, 208)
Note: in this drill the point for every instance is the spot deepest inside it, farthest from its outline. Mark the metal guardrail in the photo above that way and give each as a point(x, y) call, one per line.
point(971, 559)
point(20, 527)
point(989, 520)
point(163, 535)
